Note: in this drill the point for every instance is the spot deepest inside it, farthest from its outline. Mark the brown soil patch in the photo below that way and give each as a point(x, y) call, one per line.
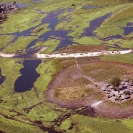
point(82, 48)
point(71, 89)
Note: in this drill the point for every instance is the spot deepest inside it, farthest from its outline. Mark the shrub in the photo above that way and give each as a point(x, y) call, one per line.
point(115, 81)
point(126, 92)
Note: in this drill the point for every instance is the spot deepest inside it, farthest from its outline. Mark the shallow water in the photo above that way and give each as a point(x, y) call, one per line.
point(89, 7)
point(94, 24)
point(22, 5)
point(129, 24)
point(128, 30)
point(29, 75)
point(37, 1)
point(52, 20)
point(88, 111)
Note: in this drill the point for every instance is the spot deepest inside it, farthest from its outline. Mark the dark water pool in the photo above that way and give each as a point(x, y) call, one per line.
point(29, 75)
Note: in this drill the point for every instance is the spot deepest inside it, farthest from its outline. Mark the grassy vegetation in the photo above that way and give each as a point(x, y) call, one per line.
point(76, 93)
point(5, 40)
point(46, 70)
point(88, 41)
point(70, 93)
point(19, 103)
point(113, 25)
point(40, 30)
point(11, 126)
point(103, 71)
point(21, 20)
point(81, 48)
point(19, 45)
point(51, 44)
point(119, 58)
point(10, 69)
point(100, 125)
point(20, 112)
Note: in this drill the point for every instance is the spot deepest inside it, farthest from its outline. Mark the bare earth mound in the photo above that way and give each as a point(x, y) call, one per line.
point(79, 85)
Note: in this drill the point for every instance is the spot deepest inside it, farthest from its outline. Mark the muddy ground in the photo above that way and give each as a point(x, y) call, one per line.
point(64, 85)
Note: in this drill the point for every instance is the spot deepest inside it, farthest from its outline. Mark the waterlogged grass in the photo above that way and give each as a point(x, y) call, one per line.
point(44, 113)
point(80, 19)
point(56, 4)
point(46, 71)
point(18, 1)
point(10, 69)
point(128, 58)
point(40, 30)
point(119, 18)
point(99, 125)
point(20, 20)
point(51, 44)
point(11, 126)
point(123, 15)
point(127, 44)
point(103, 71)
point(119, 43)
point(20, 44)
point(66, 124)
point(105, 31)
point(38, 109)
point(88, 41)
point(108, 2)
point(4, 40)
point(35, 100)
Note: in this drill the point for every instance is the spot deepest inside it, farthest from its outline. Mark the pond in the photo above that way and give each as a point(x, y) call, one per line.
point(29, 75)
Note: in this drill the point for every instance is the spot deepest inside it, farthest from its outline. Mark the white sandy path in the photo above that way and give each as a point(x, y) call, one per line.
point(89, 54)
point(7, 55)
point(76, 55)
point(94, 105)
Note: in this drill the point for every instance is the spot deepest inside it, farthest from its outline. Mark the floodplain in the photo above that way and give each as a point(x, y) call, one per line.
point(64, 94)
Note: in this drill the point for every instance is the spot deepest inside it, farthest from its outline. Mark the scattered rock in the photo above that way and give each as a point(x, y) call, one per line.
point(125, 80)
point(6, 8)
point(103, 88)
point(127, 97)
point(123, 91)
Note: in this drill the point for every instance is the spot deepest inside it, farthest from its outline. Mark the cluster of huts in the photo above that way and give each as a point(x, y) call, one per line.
point(6, 8)
point(122, 92)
